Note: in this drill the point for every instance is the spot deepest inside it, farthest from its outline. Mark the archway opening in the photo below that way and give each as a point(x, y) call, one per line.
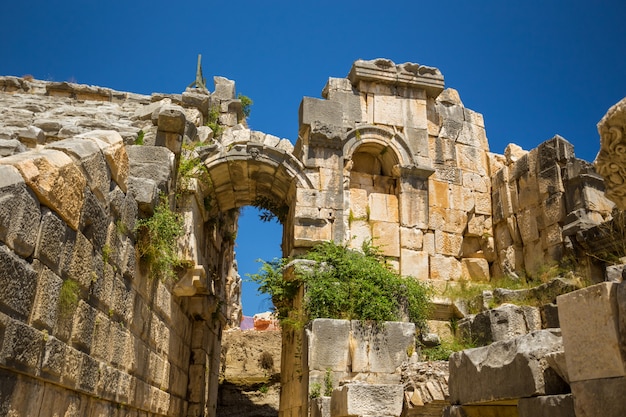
point(256, 240)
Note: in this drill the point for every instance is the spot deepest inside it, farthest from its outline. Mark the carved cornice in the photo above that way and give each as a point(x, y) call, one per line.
point(611, 160)
point(408, 74)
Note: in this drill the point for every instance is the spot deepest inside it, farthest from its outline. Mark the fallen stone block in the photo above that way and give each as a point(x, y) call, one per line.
point(546, 406)
point(600, 397)
point(490, 369)
point(367, 400)
point(589, 322)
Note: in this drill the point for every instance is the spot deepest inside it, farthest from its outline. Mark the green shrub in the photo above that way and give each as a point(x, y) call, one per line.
point(139, 140)
point(246, 103)
point(316, 390)
point(157, 239)
point(347, 284)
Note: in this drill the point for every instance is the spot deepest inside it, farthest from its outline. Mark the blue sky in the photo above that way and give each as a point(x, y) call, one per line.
point(533, 69)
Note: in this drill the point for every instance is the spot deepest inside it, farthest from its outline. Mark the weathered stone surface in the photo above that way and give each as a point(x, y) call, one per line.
point(611, 160)
point(379, 350)
point(18, 281)
point(153, 163)
point(91, 159)
point(329, 344)
point(547, 406)
point(224, 88)
point(55, 179)
point(589, 318)
point(112, 145)
point(19, 213)
point(367, 400)
point(599, 397)
point(490, 368)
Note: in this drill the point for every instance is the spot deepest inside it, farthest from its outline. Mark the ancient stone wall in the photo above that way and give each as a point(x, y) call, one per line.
point(85, 328)
point(387, 157)
point(541, 200)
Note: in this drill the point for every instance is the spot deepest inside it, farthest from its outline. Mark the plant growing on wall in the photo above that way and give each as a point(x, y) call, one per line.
point(157, 238)
point(213, 120)
point(246, 104)
point(271, 210)
point(191, 167)
point(347, 284)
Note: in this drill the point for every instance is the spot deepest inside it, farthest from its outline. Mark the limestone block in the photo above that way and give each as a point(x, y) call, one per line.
point(112, 146)
point(307, 233)
point(358, 203)
point(19, 213)
point(490, 368)
point(527, 221)
point(599, 397)
point(475, 269)
point(553, 209)
point(386, 236)
point(55, 179)
point(152, 162)
point(22, 346)
point(360, 232)
point(329, 344)
point(414, 263)
point(473, 135)
point(551, 235)
point(53, 359)
point(318, 111)
point(549, 181)
point(71, 367)
point(447, 220)
point(330, 179)
point(445, 268)
point(478, 225)
point(528, 191)
point(145, 193)
point(589, 321)
point(90, 158)
point(414, 209)
point(224, 88)
point(448, 243)
point(367, 400)
point(411, 238)
point(388, 110)
point(83, 326)
point(383, 207)
point(476, 182)
point(596, 200)
point(44, 314)
point(472, 159)
point(197, 99)
point(442, 150)
point(10, 147)
point(482, 203)
point(18, 281)
point(32, 136)
point(438, 193)
point(380, 350)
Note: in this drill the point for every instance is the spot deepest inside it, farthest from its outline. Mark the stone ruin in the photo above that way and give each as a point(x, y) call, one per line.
point(387, 155)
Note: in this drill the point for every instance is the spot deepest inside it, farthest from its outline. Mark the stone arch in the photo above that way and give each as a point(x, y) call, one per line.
point(378, 137)
point(244, 171)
